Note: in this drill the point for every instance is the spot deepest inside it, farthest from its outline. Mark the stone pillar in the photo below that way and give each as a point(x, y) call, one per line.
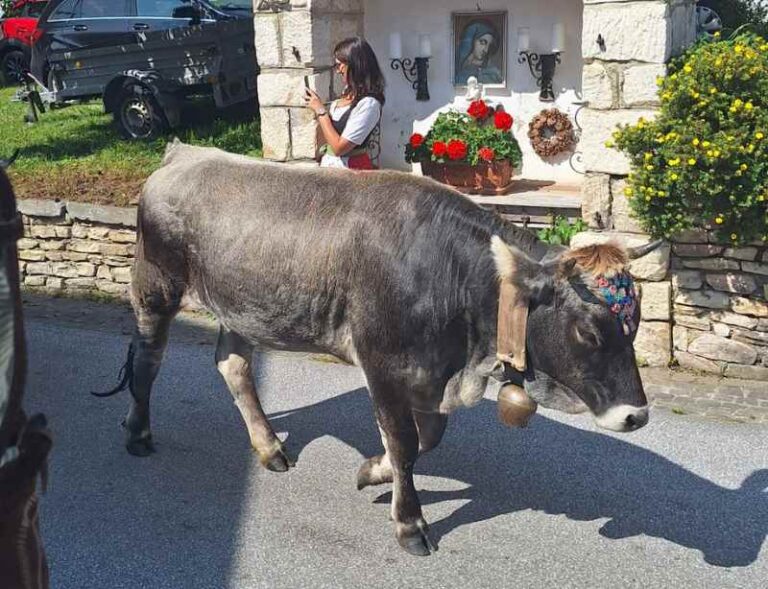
point(292, 41)
point(626, 45)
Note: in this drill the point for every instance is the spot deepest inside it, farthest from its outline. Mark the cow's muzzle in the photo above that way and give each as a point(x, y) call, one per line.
point(623, 418)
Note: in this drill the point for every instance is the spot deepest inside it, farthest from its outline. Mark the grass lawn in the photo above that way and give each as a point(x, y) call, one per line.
point(74, 153)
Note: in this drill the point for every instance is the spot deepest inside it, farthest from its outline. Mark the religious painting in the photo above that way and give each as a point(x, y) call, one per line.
point(480, 48)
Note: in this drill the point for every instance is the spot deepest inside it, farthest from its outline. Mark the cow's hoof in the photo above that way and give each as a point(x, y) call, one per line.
point(278, 460)
point(140, 446)
point(372, 472)
point(414, 539)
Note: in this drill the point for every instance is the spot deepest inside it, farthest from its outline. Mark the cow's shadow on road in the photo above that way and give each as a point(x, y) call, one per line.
point(558, 469)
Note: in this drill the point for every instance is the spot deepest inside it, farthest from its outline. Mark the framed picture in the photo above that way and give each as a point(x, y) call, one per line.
point(480, 48)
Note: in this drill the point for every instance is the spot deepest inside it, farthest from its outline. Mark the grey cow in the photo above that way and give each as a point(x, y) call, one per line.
point(393, 273)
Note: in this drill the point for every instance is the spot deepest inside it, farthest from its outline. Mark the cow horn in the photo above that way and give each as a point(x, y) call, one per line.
point(4, 164)
point(638, 252)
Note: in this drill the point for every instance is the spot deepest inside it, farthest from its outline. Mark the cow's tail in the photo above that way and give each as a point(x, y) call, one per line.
point(125, 376)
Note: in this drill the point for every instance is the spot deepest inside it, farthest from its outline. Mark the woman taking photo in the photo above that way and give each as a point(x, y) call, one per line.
point(348, 124)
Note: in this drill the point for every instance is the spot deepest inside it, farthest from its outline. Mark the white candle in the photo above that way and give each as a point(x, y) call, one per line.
point(395, 46)
point(425, 46)
point(523, 39)
point(558, 38)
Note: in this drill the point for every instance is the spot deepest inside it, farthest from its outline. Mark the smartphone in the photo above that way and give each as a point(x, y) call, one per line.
point(306, 82)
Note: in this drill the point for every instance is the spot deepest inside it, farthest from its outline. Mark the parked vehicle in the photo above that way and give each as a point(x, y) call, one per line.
point(144, 82)
point(76, 24)
point(17, 29)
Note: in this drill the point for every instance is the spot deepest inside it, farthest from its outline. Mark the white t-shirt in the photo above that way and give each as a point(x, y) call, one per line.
point(362, 121)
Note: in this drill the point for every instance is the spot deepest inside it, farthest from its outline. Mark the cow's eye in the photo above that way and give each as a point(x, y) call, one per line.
point(587, 337)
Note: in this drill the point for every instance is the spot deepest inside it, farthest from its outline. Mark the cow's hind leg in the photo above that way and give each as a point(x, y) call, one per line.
point(378, 470)
point(397, 422)
point(233, 359)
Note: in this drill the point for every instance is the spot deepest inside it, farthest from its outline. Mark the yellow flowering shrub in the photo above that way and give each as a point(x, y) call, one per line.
point(703, 162)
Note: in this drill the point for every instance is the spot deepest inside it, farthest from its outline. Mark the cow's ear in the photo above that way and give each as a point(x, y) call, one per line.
point(512, 264)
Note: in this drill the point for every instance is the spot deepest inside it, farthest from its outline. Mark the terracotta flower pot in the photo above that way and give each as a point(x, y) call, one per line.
point(484, 178)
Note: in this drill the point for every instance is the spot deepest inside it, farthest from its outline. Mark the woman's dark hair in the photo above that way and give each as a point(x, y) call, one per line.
point(364, 77)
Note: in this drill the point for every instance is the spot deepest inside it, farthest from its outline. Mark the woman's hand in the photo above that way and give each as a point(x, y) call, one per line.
point(313, 101)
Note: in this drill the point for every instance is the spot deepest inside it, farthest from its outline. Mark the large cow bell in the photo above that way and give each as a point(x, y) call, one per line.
point(515, 406)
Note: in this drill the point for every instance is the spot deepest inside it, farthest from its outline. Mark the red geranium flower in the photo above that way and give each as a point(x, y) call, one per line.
point(478, 109)
point(457, 150)
point(416, 140)
point(503, 121)
point(439, 149)
point(486, 153)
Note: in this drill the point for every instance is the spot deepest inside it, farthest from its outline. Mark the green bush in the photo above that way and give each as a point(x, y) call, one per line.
point(561, 231)
point(737, 13)
point(703, 162)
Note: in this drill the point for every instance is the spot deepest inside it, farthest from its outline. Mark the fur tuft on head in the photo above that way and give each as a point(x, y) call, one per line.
point(604, 259)
point(170, 149)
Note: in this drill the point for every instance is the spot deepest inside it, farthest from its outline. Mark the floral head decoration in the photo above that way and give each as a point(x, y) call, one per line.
point(618, 292)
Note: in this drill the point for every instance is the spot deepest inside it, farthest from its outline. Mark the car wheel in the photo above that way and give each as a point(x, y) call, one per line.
point(14, 65)
point(708, 22)
point(138, 115)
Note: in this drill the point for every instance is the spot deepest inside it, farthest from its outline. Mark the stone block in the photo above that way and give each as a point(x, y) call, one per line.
point(712, 264)
point(26, 243)
point(40, 207)
point(80, 231)
point(689, 279)
point(746, 372)
point(639, 87)
point(106, 214)
point(755, 268)
point(745, 306)
point(74, 256)
point(762, 325)
point(741, 253)
point(85, 269)
point(43, 231)
point(54, 256)
point(653, 343)
point(84, 247)
point(691, 362)
point(633, 31)
point(64, 270)
point(721, 329)
point(336, 6)
point(32, 255)
point(653, 266)
point(103, 273)
point(275, 133)
point(600, 83)
point(52, 245)
point(112, 288)
point(54, 283)
point(120, 236)
point(692, 321)
point(306, 40)
point(34, 281)
point(117, 249)
point(681, 337)
point(98, 233)
point(713, 347)
point(622, 216)
point(596, 200)
point(304, 134)
point(122, 275)
point(599, 127)
point(655, 304)
point(38, 268)
point(750, 336)
point(696, 250)
point(732, 282)
point(692, 236)
point(703, 298)
point(116, 261)
point(63, 231)
point(266, 28)
point(735, 319)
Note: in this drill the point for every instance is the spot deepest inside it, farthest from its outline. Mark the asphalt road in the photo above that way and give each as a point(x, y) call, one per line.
point(680, 503)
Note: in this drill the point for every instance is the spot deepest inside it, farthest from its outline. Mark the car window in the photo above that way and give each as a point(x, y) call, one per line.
point(65, 10)
point(101, 9)
point(161, 8)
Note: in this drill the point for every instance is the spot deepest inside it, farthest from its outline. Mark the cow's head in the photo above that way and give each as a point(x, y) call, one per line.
point(582, 318)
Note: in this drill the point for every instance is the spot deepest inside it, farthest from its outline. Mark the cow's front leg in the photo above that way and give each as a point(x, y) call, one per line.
point(396, 421)
point(378, 470)
point(233, 359)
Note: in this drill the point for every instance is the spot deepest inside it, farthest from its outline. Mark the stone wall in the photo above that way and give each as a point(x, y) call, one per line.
point(76, 248)
point(294, 41)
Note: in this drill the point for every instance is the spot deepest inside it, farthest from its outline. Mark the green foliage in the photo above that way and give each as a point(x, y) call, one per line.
point(476, 134)
point(5, 6)
point(738, 13)
point(703, 162)
point(561, 231)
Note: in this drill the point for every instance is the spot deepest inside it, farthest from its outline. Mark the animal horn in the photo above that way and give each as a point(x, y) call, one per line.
point(638, 252)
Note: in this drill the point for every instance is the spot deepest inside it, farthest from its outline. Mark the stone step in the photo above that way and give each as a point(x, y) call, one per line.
point(534, 208)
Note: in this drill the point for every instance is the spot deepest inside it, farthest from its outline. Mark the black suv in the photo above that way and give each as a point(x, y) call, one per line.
point(73, 24)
